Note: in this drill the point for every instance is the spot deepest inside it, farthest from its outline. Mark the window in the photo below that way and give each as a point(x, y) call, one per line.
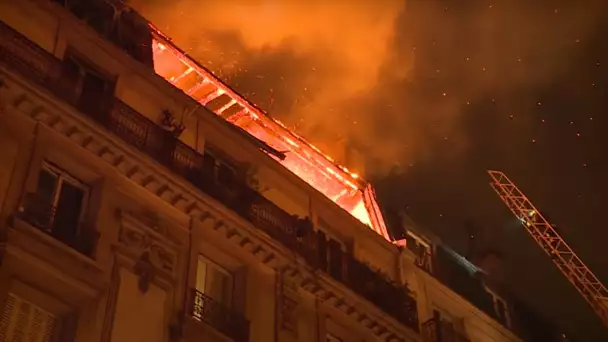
point(218, 170)
point(98, 14)
point(132, 33)
point(226, 175)
point(90, 89)
point(214, 281)
point(336, 258)
point(24, 321)
point(58, 204)
point(332, 252)
point(208, 166)
point(332, 338)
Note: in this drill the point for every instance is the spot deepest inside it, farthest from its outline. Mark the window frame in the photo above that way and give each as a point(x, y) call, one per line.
point(230, 302)
point(64, 176)
point(85, 65)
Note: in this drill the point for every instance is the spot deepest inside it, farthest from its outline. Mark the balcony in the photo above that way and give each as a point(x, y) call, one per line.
point(436, 330)
point(41, 214)
point(22, 56)
point(205, 309)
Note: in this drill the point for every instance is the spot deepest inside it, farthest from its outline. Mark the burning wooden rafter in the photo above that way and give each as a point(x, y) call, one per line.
point(346, 189)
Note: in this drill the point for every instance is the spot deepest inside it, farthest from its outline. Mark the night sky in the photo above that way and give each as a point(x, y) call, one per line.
point(423, 98)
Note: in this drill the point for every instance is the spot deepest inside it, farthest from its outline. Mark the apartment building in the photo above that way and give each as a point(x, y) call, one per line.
point(144, 202)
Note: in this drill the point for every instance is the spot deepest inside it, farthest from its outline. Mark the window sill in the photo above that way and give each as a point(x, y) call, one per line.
point(50, 248)
point(196, 330)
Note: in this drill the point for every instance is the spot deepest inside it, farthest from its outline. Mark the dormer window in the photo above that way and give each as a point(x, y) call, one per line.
point(89, 89)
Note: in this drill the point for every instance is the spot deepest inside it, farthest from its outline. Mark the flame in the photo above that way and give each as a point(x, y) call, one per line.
point(347, 189)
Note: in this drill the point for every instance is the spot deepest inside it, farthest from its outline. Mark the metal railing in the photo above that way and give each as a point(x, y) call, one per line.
point(435, 330)
point(22, 56)
point(39, 212)
point(206, 309)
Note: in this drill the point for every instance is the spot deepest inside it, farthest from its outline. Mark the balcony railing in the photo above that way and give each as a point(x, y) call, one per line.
point(39, 212)
point(26, 58)
point(435, 330)
point(208, 310)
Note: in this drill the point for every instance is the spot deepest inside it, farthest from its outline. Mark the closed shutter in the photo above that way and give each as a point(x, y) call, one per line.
point(23, 321)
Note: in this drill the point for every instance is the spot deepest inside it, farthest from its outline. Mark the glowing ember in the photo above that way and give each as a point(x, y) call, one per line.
point(306, 161)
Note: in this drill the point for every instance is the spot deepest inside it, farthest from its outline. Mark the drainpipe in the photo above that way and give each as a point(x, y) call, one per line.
point(177, 326)
point(188, 263)
point(400, 265)
point(277, 302)
point(30, 161)
point(318, 315)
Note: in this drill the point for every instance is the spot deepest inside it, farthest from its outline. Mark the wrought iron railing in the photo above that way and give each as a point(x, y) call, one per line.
point(22, 56)
point(223, 319)
point(39, 212)
point(435, 330)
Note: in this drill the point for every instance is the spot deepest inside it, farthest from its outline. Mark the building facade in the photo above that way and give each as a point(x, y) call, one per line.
point(131, 211)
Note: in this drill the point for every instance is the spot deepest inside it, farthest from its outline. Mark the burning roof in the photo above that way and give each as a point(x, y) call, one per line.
point(343, 187)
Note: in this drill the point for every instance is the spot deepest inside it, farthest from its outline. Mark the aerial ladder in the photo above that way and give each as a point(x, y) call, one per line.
point(547, 237)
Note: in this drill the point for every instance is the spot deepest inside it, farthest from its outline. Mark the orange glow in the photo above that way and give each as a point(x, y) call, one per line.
point(337, 183)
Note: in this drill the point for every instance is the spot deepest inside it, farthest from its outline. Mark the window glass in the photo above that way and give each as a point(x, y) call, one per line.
point(214, 281)
point(59, 201)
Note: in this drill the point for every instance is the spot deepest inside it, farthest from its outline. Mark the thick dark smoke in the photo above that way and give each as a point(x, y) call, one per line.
point(376, 84)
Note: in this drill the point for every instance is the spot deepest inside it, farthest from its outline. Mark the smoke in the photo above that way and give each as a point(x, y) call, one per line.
point(379, 84)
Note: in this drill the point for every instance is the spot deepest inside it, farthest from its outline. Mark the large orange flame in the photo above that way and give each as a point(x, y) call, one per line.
point(340, 185)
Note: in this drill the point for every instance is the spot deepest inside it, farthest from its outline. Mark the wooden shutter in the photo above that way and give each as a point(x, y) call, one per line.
point(22, 321)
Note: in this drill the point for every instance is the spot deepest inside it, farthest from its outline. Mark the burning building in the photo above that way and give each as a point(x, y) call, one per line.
point(343, 187)
point(122, 221)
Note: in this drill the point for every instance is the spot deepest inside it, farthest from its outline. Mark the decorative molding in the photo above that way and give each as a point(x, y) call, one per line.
point(153, 221)
point(288, 304)
point(332, 294)
point(288, 309)
point(145, 271)
point(147, 245)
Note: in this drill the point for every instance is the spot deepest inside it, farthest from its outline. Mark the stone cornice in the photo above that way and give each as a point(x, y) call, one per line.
point(332, 293)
